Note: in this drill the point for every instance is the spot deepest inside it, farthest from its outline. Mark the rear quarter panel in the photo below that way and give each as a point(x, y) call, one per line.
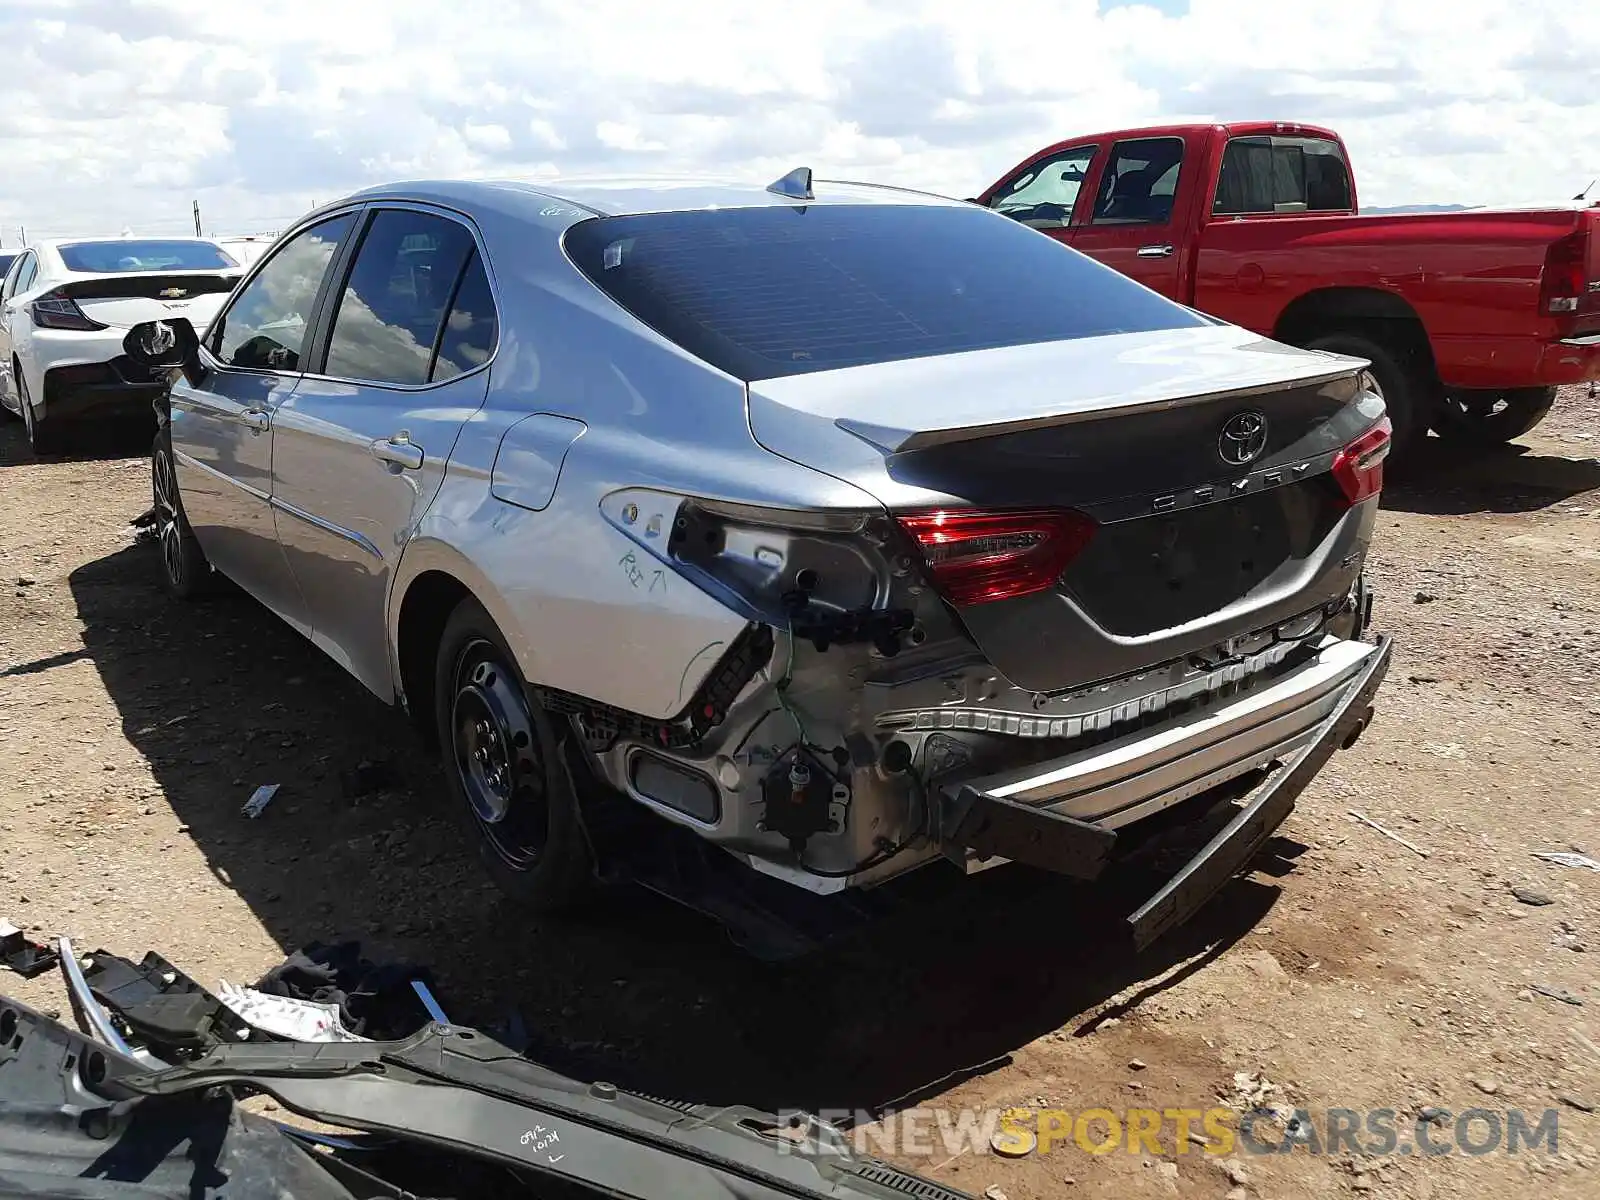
point(586, 607)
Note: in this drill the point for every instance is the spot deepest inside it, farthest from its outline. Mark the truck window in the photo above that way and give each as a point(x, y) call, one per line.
point(1282, 174)
point(1042, 195)
point(1140, 181)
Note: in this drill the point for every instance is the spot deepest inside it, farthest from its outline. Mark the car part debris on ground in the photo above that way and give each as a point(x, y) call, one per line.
point(152, 1085)
point(259, 799)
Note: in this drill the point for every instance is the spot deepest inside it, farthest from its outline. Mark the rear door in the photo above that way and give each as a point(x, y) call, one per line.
point(1134, 224)
point(1046, 193)
point(360, 448)
point(222, 425)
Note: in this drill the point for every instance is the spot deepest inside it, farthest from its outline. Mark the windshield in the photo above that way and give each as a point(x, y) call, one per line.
point(779, 290)
point(105, 257)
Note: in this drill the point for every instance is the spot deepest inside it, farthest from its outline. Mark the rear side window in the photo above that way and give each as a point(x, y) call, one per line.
point(107, 257)
point(1282, 174)
point(5, 262)
point(265, 327)
point(390, 315)
point(1140, 181)
point(469, 333)
point(785, 290)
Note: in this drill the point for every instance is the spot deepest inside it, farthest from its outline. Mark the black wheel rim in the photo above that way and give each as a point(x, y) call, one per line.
point(497, 757)
point(168, 532)
point(1475, 410)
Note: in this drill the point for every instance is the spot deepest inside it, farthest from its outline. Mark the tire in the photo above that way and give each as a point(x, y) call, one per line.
point(1405, 389)
point(44, 440)
point(185, 574)
point(1473, 418)
point(505, 768)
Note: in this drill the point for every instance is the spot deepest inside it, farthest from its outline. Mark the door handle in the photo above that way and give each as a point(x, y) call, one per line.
point(1162, 251)
point(257, 419)
point(398, 450)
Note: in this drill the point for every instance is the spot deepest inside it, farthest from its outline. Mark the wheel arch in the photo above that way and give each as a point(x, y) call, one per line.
point(433, 579)
point(1381, 316)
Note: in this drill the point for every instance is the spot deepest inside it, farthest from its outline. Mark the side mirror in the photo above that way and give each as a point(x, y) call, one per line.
point(165, 346)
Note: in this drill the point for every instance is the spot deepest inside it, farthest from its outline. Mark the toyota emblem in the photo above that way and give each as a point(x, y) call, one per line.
point(1243, 438)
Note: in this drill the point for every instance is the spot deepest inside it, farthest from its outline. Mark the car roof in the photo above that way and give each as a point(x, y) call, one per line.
point(632, 195)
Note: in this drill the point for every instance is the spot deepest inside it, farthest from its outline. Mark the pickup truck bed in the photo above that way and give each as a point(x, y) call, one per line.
point(1470, 319)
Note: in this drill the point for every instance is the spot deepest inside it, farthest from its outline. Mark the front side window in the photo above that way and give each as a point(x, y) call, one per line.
point(408, 269)
point(1282, 174)
point(774, 290)
point(1140, 181)
point(1042, 196)
point(104, 258)
point(265, 328)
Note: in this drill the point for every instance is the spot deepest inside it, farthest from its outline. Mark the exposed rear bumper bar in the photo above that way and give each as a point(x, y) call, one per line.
point(1227, 853)
point(1310, 715)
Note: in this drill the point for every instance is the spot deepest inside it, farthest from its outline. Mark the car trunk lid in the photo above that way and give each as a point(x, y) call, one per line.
point(122, 300)
point(1203, 458)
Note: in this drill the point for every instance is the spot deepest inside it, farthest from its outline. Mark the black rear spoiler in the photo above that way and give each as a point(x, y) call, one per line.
point(172, 285)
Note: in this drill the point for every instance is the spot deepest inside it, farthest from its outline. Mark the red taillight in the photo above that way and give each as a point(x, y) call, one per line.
point(55, 311)
point(976, 557)
point(1359, 466)
point(1565, 283)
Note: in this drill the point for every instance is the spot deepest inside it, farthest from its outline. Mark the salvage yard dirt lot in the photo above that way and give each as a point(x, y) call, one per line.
point(1349, 972)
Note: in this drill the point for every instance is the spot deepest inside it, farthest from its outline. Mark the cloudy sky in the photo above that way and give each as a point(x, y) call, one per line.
point(119, 113)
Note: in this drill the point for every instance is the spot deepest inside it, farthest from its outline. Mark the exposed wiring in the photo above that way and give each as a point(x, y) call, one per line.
point(782, 687)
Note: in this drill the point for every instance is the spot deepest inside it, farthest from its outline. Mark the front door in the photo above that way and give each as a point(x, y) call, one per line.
point(222, 425)
point(1132, 226)
point(359, 450)
point(1043, 194)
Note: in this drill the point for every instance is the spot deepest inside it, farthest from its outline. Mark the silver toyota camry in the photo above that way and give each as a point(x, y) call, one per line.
point(851, 529)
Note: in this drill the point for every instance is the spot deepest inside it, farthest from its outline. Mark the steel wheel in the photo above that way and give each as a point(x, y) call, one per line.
point(169, 530)
point(497, 759)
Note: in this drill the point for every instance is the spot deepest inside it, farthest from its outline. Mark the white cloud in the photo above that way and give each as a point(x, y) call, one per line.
point(121, 112)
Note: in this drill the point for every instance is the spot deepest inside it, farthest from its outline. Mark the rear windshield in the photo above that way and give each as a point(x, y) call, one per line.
point(143, 256)
point(780, 290)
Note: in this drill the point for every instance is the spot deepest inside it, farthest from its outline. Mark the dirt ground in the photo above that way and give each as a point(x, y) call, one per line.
point(1349, 972)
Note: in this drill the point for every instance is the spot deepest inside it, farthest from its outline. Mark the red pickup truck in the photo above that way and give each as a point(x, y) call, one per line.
point(1470, 319)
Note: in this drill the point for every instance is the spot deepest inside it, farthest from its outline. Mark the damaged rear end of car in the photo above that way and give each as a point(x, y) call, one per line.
point(1108, 560)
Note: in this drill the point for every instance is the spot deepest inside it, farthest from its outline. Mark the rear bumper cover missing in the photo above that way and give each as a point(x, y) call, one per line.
point(987, 822)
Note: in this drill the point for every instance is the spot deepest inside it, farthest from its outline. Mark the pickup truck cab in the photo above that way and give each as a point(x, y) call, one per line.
point(1470, 319)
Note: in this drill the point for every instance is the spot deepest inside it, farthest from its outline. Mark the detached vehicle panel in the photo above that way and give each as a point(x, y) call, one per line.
point(1470, 319)
point(847, 528)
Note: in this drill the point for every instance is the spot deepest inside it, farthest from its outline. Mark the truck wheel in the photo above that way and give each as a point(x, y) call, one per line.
point(1402, 386)
point(505, 767)
point(1486, 418)
point(184, 571)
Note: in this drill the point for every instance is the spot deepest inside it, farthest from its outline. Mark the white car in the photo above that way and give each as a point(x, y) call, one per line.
point(65, 308)
point(248, 247)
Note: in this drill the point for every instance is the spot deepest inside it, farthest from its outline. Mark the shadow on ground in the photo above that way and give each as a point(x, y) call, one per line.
point(220, 697)
point(112, 439)
point(1445, 480)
